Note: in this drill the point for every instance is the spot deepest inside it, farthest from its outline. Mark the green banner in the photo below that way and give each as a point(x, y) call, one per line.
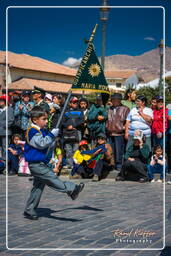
point(90, 75)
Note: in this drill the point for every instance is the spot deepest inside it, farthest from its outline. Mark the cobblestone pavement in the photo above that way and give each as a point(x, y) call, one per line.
point(90, 222)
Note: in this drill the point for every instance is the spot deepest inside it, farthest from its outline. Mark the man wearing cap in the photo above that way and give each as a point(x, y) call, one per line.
point(38, 96)
point(115, 126)
point(22, 113)
point(96, 119)
point(157, 126)
point(72, 123)
point(4, 101)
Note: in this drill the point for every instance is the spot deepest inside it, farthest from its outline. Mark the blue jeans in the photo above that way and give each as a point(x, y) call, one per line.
point(157, 168)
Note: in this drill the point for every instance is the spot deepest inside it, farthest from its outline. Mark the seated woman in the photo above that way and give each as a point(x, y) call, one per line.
point(137, 155)
point(80, 165)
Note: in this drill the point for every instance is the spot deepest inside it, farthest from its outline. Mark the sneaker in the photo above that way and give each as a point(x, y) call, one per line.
point(77, 190)
point(153, 180)
point(95, 178)
point(169, 182)
point(29, 216)
point(159, 181)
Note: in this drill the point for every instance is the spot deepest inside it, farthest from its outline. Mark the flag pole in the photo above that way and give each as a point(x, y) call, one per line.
point(70, 92)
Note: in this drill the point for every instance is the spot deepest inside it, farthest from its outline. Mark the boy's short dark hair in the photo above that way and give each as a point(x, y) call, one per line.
point(37, 112)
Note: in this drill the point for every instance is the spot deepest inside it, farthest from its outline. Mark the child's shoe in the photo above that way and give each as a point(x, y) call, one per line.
point(77, 190)
point(159, 181)
point(153, 180)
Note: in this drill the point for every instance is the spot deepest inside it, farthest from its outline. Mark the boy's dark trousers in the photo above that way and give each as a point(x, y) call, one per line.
point(43, 175)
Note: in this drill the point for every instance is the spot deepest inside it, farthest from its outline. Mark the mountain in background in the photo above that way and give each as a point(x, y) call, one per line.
point(147, 64)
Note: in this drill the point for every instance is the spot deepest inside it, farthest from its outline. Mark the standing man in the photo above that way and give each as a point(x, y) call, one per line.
point(4, 111)
point(160, 115)
point(97, 117)
point(22, 113)
point(115, 126)
point(72, 123)
point(38, 97)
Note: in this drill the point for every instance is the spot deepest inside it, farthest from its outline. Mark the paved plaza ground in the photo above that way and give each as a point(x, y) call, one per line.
point(107, 215)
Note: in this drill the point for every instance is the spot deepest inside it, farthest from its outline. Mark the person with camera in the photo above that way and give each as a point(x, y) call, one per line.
point(22, 113)
point(156, 164)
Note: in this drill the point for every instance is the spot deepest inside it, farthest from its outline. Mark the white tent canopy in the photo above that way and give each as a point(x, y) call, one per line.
point(154, 83)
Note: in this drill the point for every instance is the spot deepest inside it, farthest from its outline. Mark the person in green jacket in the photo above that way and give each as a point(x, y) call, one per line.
point(136, 158)
point(96, 119)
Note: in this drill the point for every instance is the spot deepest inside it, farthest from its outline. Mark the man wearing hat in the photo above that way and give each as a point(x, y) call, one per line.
point(157, 126)
point(4, 101)
point(38, 95)
point(22, 110)
point(72, 123)
point(96, 119)
point(115, 126)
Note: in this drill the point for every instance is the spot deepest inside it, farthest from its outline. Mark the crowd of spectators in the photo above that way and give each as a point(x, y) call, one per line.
point(126, 135)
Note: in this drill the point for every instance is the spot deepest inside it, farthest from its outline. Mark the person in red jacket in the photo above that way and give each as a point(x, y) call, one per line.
point(160, 122)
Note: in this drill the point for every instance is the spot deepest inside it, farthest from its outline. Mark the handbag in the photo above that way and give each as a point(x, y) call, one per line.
point(23, 168)
point(70, 136)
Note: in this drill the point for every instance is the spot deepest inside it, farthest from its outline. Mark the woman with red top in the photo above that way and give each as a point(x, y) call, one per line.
point(158, 128)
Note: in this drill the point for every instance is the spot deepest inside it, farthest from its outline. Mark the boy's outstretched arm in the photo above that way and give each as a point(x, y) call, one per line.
point(40, 142)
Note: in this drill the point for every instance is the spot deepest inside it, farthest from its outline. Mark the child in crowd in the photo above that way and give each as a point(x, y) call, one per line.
point(157, 164)
point(14, 152)
point(36, 154)
point(80, 159)
point(56, 160)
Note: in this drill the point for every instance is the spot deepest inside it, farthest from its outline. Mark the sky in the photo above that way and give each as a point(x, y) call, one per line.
point(57, 34)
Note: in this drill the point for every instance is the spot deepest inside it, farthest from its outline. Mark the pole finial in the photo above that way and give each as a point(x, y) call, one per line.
point(93, 33)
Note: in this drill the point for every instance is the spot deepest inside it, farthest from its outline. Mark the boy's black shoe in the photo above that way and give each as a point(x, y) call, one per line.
point(31, 217)
point(77, 190)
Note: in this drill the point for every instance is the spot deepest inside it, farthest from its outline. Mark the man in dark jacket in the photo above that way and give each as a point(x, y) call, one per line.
point(3, 113)
point(96, 119)
point(115, 126)
point(72, 123)
point(38, 96)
